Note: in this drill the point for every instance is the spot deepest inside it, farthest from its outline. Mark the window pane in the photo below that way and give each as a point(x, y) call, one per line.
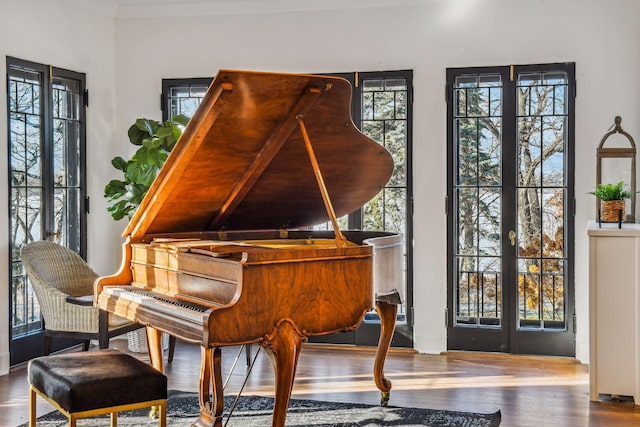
point(395, 142)
point(185, 99)
point(394, 210)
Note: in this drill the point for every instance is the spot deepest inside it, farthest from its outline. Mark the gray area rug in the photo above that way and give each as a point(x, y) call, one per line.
point(256, 411)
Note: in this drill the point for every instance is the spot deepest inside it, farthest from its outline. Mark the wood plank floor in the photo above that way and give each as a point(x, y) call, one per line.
point(529, 391)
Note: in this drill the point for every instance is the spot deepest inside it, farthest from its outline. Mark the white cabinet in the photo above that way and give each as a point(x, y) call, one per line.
point(614, 310)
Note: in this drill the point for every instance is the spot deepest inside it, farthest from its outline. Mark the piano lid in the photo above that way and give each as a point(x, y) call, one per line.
point(241, 163)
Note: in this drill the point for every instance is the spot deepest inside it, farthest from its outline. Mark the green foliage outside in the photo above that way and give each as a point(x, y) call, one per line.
point(156, 140)
point(612, 192)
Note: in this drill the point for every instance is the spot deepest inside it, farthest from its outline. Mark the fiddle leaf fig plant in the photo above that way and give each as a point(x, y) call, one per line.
point(156, 140)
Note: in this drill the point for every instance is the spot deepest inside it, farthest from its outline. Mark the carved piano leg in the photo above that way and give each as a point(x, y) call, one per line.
point(284, 345)
point(387, 313)
point(211, 392)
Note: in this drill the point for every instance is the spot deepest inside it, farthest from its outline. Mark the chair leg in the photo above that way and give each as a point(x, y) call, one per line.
point(46, 345)
point(162, 422)
point(85, 345)
point(172, 348)
point(103, 329)
point(114, 419)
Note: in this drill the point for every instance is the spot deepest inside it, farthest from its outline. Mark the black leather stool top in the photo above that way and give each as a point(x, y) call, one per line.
point(96, 379)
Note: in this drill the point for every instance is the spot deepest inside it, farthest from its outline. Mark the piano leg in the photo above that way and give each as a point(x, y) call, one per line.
point(387, 313)
point(211, 392)
point(283, 345)
point(154, 344)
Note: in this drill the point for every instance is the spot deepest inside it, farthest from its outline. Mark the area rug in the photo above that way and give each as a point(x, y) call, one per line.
point(256, 411)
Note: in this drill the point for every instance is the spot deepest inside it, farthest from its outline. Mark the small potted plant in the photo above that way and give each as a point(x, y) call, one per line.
point(612, 201)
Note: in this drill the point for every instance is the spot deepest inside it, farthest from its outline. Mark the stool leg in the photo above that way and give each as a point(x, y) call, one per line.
point(72, 420)
point(114, 419)
point(162, 422)
point(32, 408)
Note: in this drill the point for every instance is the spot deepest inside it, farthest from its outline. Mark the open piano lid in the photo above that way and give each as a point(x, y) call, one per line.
point(241, 163)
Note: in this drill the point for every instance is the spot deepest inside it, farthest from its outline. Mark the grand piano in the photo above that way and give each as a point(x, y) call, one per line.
point(220, 251)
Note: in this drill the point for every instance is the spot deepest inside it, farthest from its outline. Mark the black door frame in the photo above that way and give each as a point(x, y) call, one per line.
point(508, 338)
point(29, 345)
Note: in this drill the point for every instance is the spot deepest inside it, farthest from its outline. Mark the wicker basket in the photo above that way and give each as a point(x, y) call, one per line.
point(137, 341)
point(612, 210)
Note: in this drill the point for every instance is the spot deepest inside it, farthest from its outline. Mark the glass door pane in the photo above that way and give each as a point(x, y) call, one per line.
point(46, 163)
point(67, 100)
point(478, 199)
point(542, 198)
point(25, 95)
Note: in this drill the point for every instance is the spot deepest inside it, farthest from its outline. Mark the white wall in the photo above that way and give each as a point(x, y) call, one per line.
point(428, 36)
point(63, 35)
point(601, 37)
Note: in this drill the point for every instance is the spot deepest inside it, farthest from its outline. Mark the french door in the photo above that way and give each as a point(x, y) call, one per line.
point(510, 209)
point(46, 110)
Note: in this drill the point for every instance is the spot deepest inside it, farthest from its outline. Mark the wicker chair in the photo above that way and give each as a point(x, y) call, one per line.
point(63, 284)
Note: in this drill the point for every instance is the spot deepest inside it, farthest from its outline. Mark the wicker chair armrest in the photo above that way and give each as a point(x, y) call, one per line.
point(61, 315)
point(85, 300)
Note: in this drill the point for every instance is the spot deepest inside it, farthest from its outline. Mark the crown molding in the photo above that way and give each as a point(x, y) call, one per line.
point(129, 9)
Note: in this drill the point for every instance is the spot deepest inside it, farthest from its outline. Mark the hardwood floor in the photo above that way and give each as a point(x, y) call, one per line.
point(529, 391)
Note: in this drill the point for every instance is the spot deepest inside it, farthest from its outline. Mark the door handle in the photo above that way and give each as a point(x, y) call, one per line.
point(512, 237)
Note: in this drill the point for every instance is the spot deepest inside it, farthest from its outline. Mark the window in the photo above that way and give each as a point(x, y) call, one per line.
point(45, 107)
point(182, 96)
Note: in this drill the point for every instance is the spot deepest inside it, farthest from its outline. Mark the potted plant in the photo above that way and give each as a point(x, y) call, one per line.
point(156, 140)
point(612, 198)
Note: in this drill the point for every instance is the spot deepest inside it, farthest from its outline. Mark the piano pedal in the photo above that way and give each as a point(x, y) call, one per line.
point(247, 348)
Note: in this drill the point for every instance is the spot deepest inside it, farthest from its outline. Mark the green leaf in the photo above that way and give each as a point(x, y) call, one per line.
point(165, 131)
point(119, 163)
point(119, 210)
point(115, 189)
point(141, 174)
point(135, 193)
point(147, 125)
point(151, 156)
point(152, 142)
point(136, 135)
point(180, 119)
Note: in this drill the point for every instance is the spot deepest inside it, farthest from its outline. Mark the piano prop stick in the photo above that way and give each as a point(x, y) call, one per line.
point(220, 251)
point(340, 240)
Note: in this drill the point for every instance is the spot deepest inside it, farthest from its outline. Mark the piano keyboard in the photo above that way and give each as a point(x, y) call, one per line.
point(169, 305)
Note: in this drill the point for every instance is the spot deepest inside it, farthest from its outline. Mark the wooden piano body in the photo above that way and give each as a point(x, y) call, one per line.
point(217, 253)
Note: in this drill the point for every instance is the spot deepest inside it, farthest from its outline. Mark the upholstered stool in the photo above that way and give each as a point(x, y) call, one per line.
point(92, 383)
